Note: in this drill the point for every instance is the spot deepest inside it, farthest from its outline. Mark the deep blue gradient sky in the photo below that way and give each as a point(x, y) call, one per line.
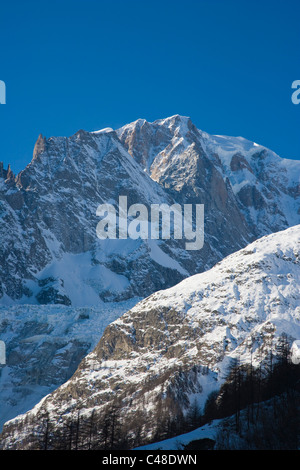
point(89, 64)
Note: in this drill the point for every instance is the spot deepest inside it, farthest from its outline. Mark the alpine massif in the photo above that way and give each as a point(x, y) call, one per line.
point(61, 285)
point(50, 252)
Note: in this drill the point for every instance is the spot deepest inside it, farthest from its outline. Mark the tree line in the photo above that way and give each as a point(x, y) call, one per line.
point(262, 402)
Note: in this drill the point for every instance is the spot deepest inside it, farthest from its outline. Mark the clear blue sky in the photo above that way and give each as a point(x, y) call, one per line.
point(89, 64)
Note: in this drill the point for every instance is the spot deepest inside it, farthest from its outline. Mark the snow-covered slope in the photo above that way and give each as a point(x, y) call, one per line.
point(264, 188)
point(208, 431)
point(175, 346)
point(44, 345)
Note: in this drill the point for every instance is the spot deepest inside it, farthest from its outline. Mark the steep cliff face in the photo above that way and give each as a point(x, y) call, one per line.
point(232, 174)
point(51, 253)
point(48, 211)
point(174, 346)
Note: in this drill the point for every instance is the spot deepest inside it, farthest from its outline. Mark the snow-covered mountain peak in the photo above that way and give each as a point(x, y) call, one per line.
point(175, 122)
point(171, 122)
point(103, 131)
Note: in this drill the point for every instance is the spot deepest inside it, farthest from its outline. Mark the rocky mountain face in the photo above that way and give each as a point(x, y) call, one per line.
point(44, 345)
point(59, 282)
point(51, 253)
point(175, 346)
point(231, 174)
